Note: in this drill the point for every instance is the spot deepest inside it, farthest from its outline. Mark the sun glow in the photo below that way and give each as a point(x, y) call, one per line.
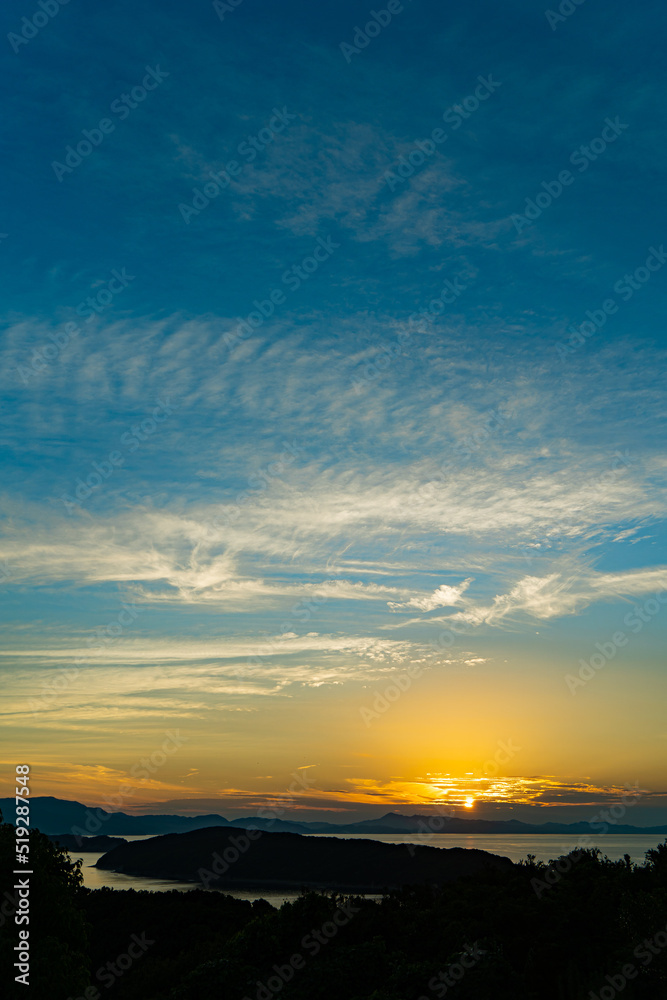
point(469, 802)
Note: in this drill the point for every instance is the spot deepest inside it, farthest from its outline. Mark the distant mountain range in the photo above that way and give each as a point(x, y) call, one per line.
point(51, 815)
point(59, 816)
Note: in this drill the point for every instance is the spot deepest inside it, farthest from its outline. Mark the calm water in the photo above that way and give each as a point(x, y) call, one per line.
point(513, 847)
point(517, 846)
point(98, 878)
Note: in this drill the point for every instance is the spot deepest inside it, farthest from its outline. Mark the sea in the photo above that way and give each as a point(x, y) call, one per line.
point(513, 846)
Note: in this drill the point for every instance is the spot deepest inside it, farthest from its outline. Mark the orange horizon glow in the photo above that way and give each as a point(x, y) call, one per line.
point(117, 789)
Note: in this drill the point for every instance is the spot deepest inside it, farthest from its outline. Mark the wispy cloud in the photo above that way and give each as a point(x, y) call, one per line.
point(436, 790)
point(443, 597)
point(560, 594)
point(258, 584)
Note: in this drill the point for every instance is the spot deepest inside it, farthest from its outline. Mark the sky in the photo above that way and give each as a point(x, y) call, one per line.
point(332, 451)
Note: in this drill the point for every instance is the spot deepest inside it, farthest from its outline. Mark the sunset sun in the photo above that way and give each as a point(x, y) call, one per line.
point(334, 501)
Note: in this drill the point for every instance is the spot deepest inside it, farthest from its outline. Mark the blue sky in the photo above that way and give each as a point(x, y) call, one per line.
point(406, 459)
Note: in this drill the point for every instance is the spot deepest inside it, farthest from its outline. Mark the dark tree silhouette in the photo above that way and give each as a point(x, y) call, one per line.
point(58, 929)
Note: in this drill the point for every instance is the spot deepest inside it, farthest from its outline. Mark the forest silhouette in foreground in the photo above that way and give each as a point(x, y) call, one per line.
point(581, 927)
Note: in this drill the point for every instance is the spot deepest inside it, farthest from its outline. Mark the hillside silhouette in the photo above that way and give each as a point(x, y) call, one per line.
point(581, 926)
point(237, 858)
